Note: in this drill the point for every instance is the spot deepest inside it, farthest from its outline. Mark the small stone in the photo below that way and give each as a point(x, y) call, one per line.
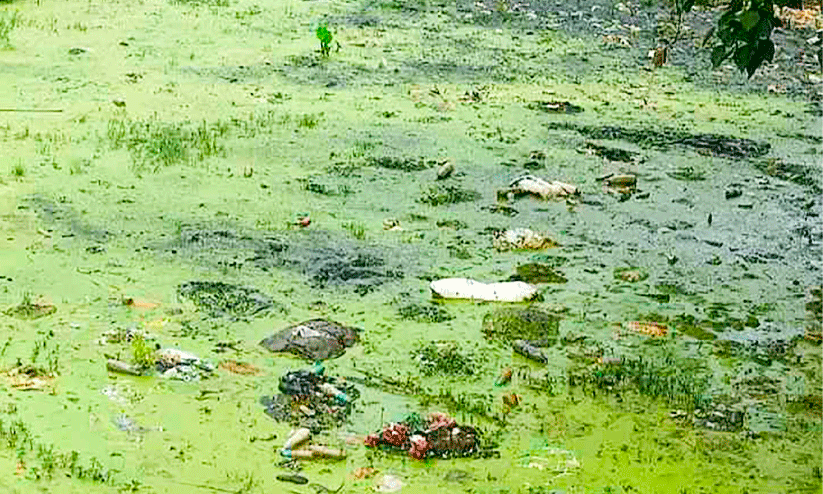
point(733, 192)
point(78, 50)
point(119, 102)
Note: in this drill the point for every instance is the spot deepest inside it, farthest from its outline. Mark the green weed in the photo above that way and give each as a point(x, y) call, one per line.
point(437, 195)
point(156, 144)
point(196, 3)
point(309, 120)
point(443, 357)
point(357, 230)
point(8, 21)
point(18, 170)
point(325, 36)
point(142, 353)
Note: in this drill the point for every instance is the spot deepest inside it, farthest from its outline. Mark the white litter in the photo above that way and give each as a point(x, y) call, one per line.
point(464, 288)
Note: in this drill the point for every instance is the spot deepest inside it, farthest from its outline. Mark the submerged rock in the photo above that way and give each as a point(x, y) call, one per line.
point(316, 339)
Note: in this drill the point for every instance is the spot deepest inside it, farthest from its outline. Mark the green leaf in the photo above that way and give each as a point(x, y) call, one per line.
point(725, 34)
point(749, 19)
point(764, 29)
point(687, 5)
point(718, 55)
point(766, 48)
point(742, 56)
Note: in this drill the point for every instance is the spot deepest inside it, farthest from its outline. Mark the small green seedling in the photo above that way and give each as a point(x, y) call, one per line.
point(325, 36)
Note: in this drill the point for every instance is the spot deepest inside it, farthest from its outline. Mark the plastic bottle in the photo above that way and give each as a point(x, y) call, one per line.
point(338, 395)
point(319, 368)
point(296, 454)
point(300, 436)
point(327, 452)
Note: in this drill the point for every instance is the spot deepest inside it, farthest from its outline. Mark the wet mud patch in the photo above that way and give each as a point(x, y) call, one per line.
point(806, 176)
point(64, 217)
point(402, 164)
point(326, 259)
point(220, 299)
point(240, 74)
point(711, 144)
point(312, 69)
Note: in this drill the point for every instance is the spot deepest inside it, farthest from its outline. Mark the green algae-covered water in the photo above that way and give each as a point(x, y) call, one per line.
point(150, 144)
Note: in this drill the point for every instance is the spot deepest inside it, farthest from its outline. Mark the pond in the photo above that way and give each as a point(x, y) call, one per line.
point(183, 180)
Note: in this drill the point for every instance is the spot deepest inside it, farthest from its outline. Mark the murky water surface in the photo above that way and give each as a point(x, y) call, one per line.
point(199, 176)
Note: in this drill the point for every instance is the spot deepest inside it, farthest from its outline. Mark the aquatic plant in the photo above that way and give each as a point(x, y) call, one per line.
point(443, 357)
point(309, 120)
point(156, 144)
point(438, 195)
point(357, 230)
point(142, 353)
point(325, 36)
point(8, 21)
point(18, 170)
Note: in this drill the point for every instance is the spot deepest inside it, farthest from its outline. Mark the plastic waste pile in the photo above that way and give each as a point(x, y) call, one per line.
point(177, 364)
point(437, 435)
point(311, 399)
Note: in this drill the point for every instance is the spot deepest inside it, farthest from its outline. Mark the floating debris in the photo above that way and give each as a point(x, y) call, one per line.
point(554, 107)
point(522, 239)
point(464, 288)
point(531, 185)
point(647, 328)
point(436, 435)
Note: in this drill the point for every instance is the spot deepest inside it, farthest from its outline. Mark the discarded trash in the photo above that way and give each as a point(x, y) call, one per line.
point(631, 275)
point(391, 225)
point(31, 310)
point(529, 350)
point(522, 238)
point(436, 435)
point(622, 180)
point(363, 473)
point(554, 107)
point(314, 452)
point(311, 400)
point(300, 436)
point(445, 170)
point(316, 339)
point(177, 364)
point(241, 368)
point(647, 328)
point(537, 186)
point(464, 288)
point(29, 378)
point(327, 452)
point(505, 377)
point(293, 478)
point(296, 454)
point(123, 367)
point(388, 483)
point(511, 400)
